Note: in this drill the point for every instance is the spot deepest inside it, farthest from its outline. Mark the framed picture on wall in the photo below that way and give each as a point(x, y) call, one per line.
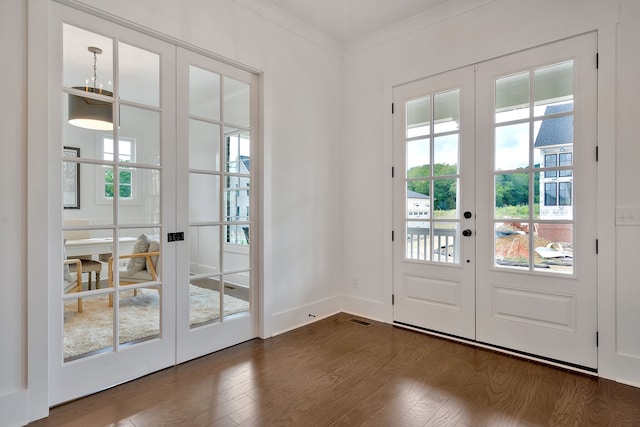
point(71, 179)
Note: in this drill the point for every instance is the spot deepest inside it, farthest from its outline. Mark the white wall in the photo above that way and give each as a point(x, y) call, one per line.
point(373, 66)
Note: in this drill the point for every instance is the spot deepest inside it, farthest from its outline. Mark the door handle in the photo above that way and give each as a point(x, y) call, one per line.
point(467, 232)
point(468, 214)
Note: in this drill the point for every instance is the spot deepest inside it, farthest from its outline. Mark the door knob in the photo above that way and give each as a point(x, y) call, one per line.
point(467, 233)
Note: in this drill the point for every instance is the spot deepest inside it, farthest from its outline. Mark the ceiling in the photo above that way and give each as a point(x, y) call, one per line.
point(349, 20)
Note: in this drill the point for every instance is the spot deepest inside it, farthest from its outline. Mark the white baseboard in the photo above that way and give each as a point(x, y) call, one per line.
point(288, 320)
point(374, 310)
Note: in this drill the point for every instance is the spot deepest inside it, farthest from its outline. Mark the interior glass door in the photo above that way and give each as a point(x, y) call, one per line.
point(217, 162)
point(113, 317)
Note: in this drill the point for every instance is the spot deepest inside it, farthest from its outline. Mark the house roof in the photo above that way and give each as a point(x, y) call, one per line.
point(414, 195)
point(247, 162)
point(556, 130)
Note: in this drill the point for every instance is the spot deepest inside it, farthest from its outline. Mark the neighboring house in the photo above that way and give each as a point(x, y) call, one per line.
point(418, 207)
point(555, 142)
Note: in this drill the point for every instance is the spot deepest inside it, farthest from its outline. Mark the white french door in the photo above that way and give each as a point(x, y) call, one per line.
point(217, 128)
point(157, 156)
point(528, 284)
point(537, 288)
point(434, 260)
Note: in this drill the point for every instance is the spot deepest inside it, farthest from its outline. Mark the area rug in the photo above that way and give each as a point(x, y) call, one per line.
point(92, 329)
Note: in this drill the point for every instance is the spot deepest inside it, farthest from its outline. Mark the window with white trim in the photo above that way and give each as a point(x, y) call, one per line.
point(126, 154)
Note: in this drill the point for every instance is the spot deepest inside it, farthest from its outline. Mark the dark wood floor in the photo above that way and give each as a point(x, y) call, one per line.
point(339, 373)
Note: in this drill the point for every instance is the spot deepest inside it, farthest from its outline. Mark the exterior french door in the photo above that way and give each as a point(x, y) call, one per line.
point(537, 288)
point(528, 208)
point(434, 274)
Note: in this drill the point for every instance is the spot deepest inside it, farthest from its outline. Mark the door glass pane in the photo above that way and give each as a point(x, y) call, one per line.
point(236, 249)
point(82, 138)
point(418, 155)
point(139, 195)
point(445, 198)
point(446, 111)
point(142, 128)
point(418, 199)
point(512, 245)
point(204, 191)
point(89, 331)
point(237, 199)
point(445, 155)
point(553, 86)
point(78, 61)
point(204, 301)
point(512, 147)
point(139, 257)
point(204, 249)
point(512, 196)
point(419, 117)
point(237, 102)
point(204, 145)
point(204, 93)
point(417, 245)
point(139, 75)
point(79, 194)
point(554, 248)
point(236, 293)
point(139, 312)
point(512, 97)
point(444, 242)
point(237, 150)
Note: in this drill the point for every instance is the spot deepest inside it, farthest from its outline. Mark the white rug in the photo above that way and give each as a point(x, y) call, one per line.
point(139, 317)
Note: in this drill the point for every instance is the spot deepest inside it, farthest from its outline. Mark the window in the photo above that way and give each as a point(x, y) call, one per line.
point(565, 194)
point(126, 154)
point(566, 159)
point(550, 194)
point(550, 161)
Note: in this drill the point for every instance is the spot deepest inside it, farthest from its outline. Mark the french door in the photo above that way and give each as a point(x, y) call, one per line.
point(217, 155)
point(155, 223)
point(525, 204)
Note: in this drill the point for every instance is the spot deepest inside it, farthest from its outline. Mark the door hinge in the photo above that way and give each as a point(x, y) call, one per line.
point(597, 153)
point(392, 108)
point(392, 172)
point(393, 299)
point(597, 246)
point(597, 339)
point(597, 60)
point(392, 235)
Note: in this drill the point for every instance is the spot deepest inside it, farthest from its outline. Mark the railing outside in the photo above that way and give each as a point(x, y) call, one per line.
point(443, 249)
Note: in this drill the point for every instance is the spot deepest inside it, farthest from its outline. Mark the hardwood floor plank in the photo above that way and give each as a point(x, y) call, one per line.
point(338, 373)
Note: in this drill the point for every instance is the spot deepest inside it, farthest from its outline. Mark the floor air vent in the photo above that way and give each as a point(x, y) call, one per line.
point(360, 322)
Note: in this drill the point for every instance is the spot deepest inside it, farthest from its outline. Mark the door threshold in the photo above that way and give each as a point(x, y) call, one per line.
point(504, 350)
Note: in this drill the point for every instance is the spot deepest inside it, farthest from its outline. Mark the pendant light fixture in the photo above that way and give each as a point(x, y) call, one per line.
point(91, 113)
